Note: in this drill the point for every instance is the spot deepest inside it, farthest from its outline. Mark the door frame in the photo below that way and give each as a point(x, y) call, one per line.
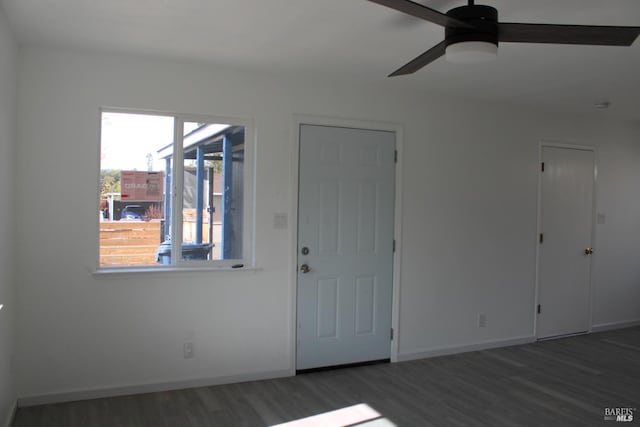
point(397, 129)
point(553, 144)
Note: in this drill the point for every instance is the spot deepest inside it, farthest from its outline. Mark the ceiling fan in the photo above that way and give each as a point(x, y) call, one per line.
point(472, 33)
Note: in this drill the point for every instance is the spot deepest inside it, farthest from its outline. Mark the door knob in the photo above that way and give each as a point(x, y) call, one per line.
point(305, 268)
point(588, 251)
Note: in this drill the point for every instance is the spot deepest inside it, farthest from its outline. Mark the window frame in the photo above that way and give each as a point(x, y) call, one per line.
point(177, 192)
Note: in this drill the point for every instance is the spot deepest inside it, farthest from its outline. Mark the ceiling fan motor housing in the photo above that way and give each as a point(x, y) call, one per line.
point(484, 21)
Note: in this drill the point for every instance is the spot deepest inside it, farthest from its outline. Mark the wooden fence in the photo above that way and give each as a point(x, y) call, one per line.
point(134, 243)
point(129, 243)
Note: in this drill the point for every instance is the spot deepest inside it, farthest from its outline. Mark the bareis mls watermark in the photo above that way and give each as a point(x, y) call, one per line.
point(620, 414)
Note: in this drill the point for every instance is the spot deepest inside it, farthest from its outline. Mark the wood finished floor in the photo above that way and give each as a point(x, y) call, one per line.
point(566, 382)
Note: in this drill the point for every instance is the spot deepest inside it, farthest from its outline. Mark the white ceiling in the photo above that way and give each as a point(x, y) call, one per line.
point(353, 40)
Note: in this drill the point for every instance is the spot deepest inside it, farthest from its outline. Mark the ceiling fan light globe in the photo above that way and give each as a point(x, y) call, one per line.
point(471, 52)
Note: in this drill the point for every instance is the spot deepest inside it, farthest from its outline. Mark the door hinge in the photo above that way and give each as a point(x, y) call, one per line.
point(539, 308)
point(542, 167)
point(394, 245)
point(541, 238)
point(395, 156)
point(391, 335)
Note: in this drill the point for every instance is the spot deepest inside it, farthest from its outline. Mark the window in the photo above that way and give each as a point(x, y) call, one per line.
point(174, 191)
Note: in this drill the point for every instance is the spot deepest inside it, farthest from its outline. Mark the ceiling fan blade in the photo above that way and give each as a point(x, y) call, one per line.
point(429, 56)
point(567, 34)
point(402, 20)
point(423, 12)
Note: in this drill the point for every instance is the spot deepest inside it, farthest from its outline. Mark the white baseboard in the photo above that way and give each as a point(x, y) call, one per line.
point(443, 351)
point(95, 393)
point(11, 416)
point(601, 327)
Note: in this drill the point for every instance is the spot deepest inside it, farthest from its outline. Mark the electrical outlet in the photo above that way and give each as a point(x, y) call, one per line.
point(188, 350)
point(482, 320)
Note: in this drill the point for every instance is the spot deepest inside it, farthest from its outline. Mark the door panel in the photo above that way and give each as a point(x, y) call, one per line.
point(327, 308)
point(346, 203)
point(365, 305)
point(329, 218)
point(367, 232)
point(567, 223)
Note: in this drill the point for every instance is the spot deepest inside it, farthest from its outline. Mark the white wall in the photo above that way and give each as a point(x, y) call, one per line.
point(8, 64)
point(616, 274)
point(469, 220)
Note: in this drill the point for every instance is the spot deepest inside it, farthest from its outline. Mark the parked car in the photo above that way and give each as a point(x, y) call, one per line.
point(133, 213)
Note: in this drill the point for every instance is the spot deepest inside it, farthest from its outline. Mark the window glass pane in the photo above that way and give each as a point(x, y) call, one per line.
point(213, 191)
point(135, 170)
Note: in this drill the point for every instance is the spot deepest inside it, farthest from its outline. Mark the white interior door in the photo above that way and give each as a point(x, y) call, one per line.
point(567, 224)
point(345, 238)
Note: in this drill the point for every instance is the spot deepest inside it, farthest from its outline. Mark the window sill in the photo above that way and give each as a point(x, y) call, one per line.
point(117, 273)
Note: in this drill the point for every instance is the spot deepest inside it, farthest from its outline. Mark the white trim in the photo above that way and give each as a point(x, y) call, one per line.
point(536, 285)
point(96, 246)
point(126, 390)
point(594, 150)
point(455, 349)
point(570, 146)
point(594, 237)
point(293, 240)
point(398, 130)
point(397, 261)
point(160, 271)
point(563, 336)
point(609, 326)
point(177, 191)
point(346, 123)
point(11, 415)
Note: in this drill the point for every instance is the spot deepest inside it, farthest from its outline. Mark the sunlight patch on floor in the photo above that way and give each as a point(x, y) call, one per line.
point(356, 415)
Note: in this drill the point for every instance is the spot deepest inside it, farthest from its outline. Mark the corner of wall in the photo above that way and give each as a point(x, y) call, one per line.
point(11, 416)
point(8, 108)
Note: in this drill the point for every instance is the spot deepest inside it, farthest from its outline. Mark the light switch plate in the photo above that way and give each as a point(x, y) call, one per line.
point(280, 221)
